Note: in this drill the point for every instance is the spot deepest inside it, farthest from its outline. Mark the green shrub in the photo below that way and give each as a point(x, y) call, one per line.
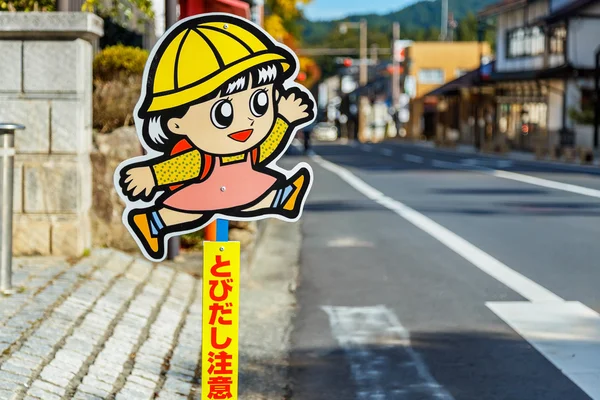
point(117, 84)
point(192, 241)
point(118, 62)
point(583, 117)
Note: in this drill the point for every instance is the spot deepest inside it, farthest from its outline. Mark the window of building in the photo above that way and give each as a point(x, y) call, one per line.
point(558, 37)
point(525, 42)
point(431, 76)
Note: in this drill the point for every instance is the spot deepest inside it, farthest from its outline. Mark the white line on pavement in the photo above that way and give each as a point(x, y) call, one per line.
point(368, 336)
point(567, 334)
point(386, 152)
point(485, 262)
point(532, 180)
point(366, 148)
point(412, 158)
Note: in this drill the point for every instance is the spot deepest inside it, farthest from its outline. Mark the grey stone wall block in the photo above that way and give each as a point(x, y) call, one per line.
point(10, 60)
point(69, 133)
point(35, 115)
point(54, 66)
point(52, 187)
point(51, 25)
point(46, 85)
point(31, 235)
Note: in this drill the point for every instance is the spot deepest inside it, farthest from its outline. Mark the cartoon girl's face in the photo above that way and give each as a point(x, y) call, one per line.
point(230, 124)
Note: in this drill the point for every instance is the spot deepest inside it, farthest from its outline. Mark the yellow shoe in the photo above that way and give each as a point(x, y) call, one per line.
point(153, 245)
point(300, 186)
point(290, 204)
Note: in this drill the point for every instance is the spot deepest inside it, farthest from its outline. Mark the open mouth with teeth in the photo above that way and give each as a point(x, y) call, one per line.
point(241, 136)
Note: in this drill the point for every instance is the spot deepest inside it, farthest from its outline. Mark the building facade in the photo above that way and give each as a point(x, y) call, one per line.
point(430, 65)
point(544, 71)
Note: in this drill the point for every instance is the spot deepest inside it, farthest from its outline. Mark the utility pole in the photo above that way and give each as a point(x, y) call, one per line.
point(597, 100)
point(62, 5)
point(396, 69)
point(256, 11)
point(170, 13)
point(374, 53)
point(364, 77)
point(444, 27)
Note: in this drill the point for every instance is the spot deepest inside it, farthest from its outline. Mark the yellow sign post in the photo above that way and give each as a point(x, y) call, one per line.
point(220, 320)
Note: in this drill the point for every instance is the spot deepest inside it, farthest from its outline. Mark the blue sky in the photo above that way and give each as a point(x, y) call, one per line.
point(328, 9)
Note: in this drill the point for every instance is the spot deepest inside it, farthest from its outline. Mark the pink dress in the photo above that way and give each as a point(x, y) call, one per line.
point(230, 185)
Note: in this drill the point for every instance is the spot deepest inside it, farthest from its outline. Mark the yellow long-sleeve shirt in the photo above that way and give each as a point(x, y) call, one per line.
point(188, 165)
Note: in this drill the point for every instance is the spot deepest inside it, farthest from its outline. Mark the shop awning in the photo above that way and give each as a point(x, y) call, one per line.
point(470, 79)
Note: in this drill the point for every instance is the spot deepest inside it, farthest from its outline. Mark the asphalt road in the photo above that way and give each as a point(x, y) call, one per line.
point(429, 274)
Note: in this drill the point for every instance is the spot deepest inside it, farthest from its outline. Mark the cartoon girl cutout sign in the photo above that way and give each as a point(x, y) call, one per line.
point(218, 107)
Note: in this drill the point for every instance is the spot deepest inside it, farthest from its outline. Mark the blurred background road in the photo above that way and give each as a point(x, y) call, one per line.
point(431, 274)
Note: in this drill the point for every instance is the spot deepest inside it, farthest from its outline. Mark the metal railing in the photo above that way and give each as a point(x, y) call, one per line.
point(7, 164)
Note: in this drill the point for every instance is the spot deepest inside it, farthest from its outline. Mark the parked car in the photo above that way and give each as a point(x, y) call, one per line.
point(325, 131)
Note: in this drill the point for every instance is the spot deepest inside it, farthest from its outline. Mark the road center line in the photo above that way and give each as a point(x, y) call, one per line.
point(366, 148)
point(386, 152)
point(413, 158)
point(382, 361)
point(513, 176)
point(485, 262)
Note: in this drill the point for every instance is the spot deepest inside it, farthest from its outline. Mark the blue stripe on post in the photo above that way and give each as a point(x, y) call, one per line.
point(222, 230)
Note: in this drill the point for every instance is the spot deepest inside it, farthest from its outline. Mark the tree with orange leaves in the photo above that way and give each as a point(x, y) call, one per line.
point(281, 23)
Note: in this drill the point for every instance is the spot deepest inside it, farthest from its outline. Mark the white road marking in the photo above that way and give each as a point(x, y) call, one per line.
point(413, 158)
point(469, 161)
point(366, 148)
point(349, 242)
point(532, 180)
point(386, 152)
point(567, 334)
point(482, 162)
point(482, 260)
point(504, 164)
point(370, 336)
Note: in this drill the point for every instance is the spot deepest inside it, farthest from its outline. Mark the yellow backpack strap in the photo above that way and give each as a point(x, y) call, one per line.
point(180, 168)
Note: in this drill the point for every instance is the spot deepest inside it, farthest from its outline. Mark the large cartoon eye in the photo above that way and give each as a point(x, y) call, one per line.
point(259, 103)
point(221, 114)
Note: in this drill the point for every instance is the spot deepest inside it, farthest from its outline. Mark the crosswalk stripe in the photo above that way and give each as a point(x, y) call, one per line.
point(375, 344)
point(567, 334)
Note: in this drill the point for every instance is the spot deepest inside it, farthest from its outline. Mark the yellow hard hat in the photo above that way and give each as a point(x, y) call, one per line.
point(202, 54)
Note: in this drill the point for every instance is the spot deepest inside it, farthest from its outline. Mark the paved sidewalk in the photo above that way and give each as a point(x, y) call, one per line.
point(112, 326)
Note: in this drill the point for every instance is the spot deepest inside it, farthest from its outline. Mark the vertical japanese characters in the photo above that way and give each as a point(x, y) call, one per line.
point(220, 320)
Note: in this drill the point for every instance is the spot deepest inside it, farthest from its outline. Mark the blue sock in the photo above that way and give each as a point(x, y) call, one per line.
point(156, 222)
point(282, 195)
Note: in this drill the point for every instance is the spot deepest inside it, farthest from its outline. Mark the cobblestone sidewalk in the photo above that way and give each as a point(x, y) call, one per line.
point(117, 327)
point(111, 326)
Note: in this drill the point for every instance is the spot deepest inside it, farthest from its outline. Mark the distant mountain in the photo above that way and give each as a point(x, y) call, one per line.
point(424, 15)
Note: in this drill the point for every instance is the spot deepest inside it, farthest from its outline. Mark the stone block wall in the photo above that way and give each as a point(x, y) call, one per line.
point(46, 85)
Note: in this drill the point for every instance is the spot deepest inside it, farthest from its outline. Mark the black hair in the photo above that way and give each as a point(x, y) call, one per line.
point(262, 74)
